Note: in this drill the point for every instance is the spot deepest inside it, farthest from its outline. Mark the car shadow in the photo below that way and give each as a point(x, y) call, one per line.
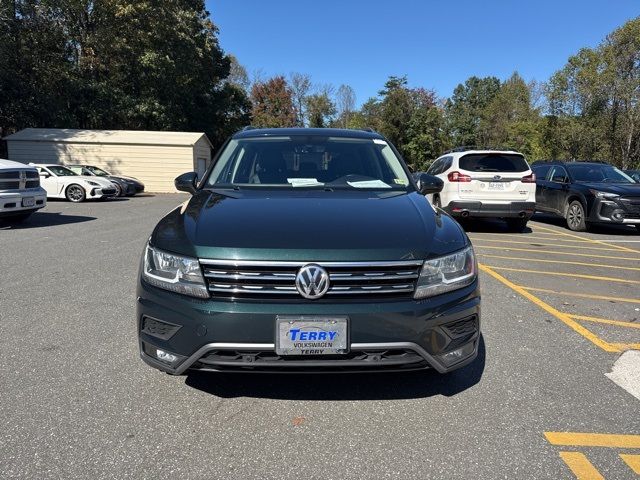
point(336, 386)
point(489, 225)
point(593, 228)
point(44, 219)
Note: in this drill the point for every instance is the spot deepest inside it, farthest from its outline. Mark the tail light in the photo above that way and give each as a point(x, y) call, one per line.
point(529, 178)
point(458, 177)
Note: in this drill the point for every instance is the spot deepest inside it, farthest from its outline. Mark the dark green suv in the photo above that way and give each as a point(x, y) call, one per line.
point(308, 250)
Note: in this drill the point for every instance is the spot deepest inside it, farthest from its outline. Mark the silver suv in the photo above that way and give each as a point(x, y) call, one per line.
point(20, 191)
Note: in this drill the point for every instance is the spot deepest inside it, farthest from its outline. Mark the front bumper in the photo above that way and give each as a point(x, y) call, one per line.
point(622, 212)
point(217, 335)
point(103, 192)
point(11, 203)
point(458, 208)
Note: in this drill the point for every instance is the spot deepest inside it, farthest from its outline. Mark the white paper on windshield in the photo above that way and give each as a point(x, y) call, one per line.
point(369, 184)
point(303, 182)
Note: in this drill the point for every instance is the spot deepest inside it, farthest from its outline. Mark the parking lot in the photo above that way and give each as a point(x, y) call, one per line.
point(559, 309)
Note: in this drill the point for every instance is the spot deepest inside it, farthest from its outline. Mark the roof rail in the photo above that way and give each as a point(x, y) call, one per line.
point(368, 129)
point(249, 127)
point(464, 148)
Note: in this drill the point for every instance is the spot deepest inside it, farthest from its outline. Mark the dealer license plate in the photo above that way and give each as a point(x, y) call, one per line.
point(28, 201)
point(496, 186)
point(311, 335)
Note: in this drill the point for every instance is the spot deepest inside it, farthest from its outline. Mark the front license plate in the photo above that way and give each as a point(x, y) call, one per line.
point(311, 335)
point(28, 201)
point(496, 186)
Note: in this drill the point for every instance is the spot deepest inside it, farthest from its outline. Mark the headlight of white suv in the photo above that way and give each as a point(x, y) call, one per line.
point(447, 273)
point(174, 272)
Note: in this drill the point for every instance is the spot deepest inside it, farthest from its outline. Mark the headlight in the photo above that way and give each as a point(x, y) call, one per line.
point(93, 184)
point(174, 272)
point(607, 195)
point(447, 273)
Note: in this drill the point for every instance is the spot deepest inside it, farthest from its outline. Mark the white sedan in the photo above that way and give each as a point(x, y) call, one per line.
point(61, 182)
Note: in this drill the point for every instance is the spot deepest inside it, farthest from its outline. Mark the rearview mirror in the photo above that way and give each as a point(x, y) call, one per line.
point(186, 182)
point(428, 184)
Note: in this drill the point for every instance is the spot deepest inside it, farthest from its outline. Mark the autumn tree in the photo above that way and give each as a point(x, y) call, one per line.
point(273, 104)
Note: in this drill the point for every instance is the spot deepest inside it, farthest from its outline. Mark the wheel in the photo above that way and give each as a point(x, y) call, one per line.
point(119, 191)
point(75, 193)
point(437, 202)
point(576, 217)
point(516, 224)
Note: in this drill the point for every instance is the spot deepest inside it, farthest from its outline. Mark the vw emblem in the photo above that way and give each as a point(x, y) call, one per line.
point(497, 177)
point(312, 281)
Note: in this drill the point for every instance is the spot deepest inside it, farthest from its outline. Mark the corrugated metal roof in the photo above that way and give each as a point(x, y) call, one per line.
point(139, 137)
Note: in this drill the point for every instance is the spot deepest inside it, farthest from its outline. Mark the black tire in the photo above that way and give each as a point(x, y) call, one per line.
point(119, 191)
point(436, 201)
point(516, 224)
point(75, 193)
point(576, 217)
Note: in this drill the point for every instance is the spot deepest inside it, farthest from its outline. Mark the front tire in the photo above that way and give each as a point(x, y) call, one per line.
point(576, 220)
point(75, 193)
point(119, 191)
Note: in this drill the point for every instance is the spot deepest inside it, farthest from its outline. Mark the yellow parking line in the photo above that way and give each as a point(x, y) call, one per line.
point(576, 439)
point(549, 309)
point(599, 265)
point(582, 295)
point(552, 245)
point(547, 252)
point(618, 323)
point(573, 275)
point(599, 242)
point(524, 237)
point(626, 346)
point(580, 465)
point(633, 461)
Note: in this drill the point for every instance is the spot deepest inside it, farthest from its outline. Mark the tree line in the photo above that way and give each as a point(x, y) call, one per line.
point(146, 64)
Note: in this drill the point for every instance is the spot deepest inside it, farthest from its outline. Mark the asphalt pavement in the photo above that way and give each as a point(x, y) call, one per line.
point(77, 402)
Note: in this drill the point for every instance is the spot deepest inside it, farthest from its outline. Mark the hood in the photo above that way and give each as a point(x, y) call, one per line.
point(623, 189)
point(312, 225)
point(120, 177)
point(100, 181)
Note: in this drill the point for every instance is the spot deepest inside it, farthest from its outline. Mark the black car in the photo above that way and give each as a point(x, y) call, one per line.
point(587, 192)
point(308, 250)
point(126, 186)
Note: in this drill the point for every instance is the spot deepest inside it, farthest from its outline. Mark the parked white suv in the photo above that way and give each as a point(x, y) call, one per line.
point(486, 183)
point(61, 182)
point(20, 191)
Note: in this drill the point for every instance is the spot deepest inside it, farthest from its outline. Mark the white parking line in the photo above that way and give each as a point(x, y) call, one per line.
point(626, 372)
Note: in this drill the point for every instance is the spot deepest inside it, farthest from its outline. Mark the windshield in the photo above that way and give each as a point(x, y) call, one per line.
point(97, 171)
point(309, 162)
point(598, 173)
point(61, 171)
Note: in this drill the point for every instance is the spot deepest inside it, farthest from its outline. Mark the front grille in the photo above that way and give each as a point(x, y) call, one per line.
point(395, 359)
point(11, 180)
point(631, 205)
point(355, 280)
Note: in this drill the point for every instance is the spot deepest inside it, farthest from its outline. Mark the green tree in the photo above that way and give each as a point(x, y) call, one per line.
point(273, 104)
point(320, 109)
point(465, 110)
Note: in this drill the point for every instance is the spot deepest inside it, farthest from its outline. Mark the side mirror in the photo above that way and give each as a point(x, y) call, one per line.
point(187, 182)
point(428, 184)
point(45, 174)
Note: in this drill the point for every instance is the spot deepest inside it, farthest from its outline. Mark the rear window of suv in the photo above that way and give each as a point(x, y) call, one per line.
point(493, 162)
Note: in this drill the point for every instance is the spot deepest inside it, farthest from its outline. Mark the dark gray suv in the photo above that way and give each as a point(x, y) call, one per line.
point(308, 250)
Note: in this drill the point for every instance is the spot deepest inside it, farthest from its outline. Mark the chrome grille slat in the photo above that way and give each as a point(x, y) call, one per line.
point(229, 279)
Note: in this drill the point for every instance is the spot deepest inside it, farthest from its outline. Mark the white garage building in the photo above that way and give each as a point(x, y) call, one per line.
point(155, 158)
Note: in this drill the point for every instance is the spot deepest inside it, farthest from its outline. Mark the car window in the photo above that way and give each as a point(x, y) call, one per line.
point(77, 170)
point(559, 174)
point(434, 169)
point(61, 171)
point(97, 171)
point(494, 162)
point(541, 171)
point(309, 162)
point(448, 161)
point(598, 173)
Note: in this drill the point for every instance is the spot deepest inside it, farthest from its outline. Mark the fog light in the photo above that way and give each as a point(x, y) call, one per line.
point(165, 356)
point(618, 215)
point(457, 355)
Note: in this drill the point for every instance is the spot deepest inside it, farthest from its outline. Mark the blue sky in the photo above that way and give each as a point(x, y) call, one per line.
point(437, 44)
